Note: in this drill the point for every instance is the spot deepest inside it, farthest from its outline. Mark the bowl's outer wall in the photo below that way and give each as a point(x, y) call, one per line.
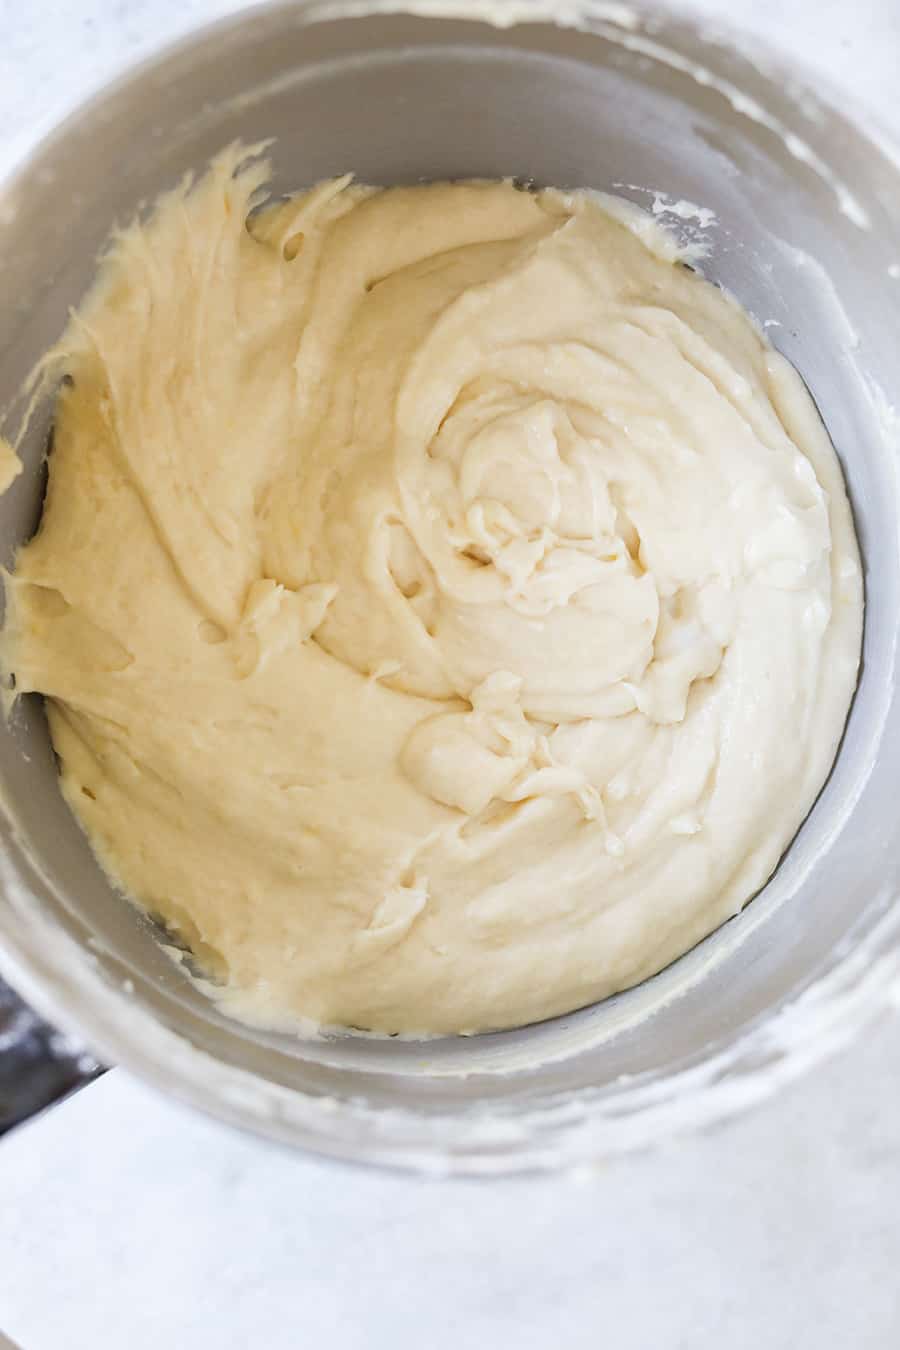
point(398, 99)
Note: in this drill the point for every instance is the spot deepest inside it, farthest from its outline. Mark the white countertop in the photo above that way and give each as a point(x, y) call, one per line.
point(126, 1221)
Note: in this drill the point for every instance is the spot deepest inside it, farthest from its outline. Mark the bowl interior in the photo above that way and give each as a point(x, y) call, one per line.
point(804, 235)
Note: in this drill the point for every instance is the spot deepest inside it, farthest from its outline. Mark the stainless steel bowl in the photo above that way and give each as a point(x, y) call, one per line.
point(806, 236)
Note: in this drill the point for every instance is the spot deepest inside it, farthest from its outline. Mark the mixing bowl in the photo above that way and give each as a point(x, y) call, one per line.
point(796, 208)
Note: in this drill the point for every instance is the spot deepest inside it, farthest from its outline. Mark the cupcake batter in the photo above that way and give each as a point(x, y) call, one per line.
point(447, 602)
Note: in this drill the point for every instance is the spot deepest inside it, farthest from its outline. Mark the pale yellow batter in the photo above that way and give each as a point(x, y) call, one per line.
point(448, 602)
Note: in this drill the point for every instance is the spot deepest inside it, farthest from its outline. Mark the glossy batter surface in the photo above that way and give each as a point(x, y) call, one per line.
point(447, 602)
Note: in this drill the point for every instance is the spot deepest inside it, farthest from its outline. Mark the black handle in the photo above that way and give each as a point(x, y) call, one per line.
point(38, 1065)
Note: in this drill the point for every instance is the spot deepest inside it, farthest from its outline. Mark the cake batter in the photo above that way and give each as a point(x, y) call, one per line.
point(447, 602)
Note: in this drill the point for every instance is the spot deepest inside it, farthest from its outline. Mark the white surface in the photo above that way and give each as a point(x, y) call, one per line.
point(129, 1223)
point(126, 1222)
